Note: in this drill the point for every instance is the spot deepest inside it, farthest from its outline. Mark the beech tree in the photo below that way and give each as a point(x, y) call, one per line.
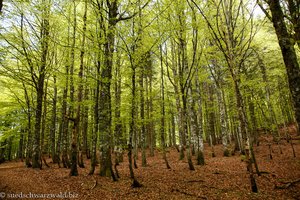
point(287, 40)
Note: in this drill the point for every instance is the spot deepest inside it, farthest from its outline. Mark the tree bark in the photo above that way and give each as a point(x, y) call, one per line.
point(96, 119)
point(132, 128)
point(75, 128)
point(28, 128)
point(80, 89)
point(105, 96)
point(289, 55)
point(40, 87)
point(200, 145)
point(53, 123)
point(163, 112)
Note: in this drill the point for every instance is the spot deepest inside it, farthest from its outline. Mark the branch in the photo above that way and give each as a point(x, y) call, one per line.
point(121, 18)
point(214, 34)
point(168, 71)
point(259, 3)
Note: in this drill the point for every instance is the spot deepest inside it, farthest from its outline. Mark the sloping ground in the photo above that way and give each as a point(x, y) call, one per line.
point(221, 178)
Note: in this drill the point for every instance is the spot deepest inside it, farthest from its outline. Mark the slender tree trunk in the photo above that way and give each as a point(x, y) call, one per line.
point(200, 145)
point(96, 120)
point(151, 125)
point(254, 132)
point(223, 122)
point(174, 67)
point(193, 119)
point(187, 133)
point(163, 112)
point(37, 127)
point(211, 114)
point(149, 104)
point(9, 148)
point(173, 129)
point(44, 123)
point(142, 115)
point(85, 126)
point(75, 128)
point(64, 127)
point(240, 109)
point(132, 128)
point(250, 169)
point(117, 115)
point(53, 123)
point(21, 146)
point(28, 129)
point(2, 152)
point(74, 171)
point(80, 91)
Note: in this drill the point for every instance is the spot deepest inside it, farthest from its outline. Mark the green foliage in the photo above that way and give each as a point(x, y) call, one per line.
point(164, 23)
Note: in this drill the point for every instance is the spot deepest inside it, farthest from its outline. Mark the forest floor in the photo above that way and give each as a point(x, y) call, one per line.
point(220, 178)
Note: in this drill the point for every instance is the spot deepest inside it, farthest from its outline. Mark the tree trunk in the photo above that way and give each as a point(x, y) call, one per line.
point(149, 106)
point(132, 128)
point(80, 91)
point(186, 131)
point(37, 127)
point(163, 112)
point(53, 123)
point(250, 169)
point(200, 145)
point(74, 132)
point(74, 151)
point(96, 120)
point(289, 55)
point(105, 96)
point(44, 122)
point(173, 129)
point(142, 115)
point(223, 121)
point(28, 129)
point(40, 87)
point(85, 126)
point(174, 67)
point(21, 146)
point(254, 132)
point(211, 114)
point(118, 130)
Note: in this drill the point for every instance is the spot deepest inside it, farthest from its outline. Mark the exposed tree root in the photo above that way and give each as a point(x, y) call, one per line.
point(136, 184)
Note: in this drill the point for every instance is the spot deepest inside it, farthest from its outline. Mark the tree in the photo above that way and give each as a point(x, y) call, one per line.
point(233, 34)
point(286, 42)
point(106, 76)
point(163, 111)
